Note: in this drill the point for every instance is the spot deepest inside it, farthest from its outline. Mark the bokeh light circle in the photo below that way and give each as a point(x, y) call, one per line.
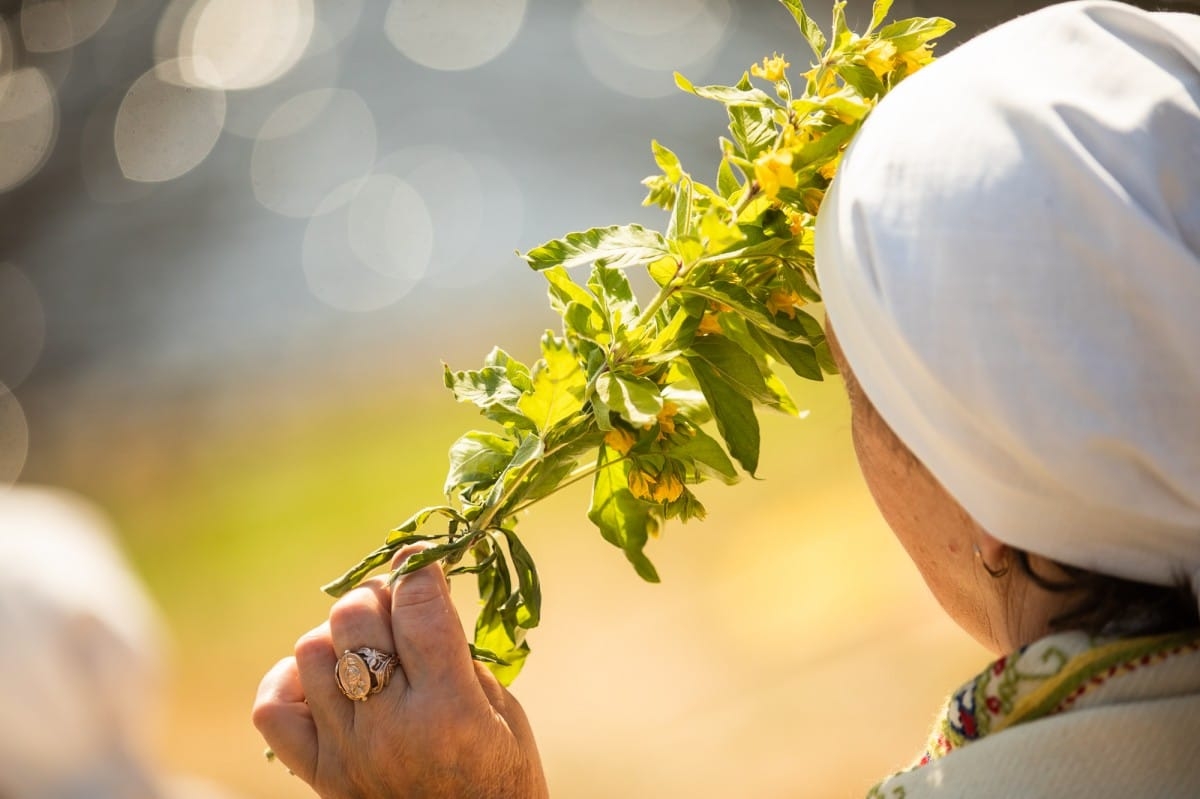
point(6, 50)
point(638, 59)
point(129, 15)
point(170, 29)
point(22, 326)
point(476, 206)
point(338, 20)
point(241, 45)
point(390, 229)
point(318, 67)
point(55, 65)
point(643, 18)
point(50, 26)
point(102, 175)
point(368, 245)
point(165, 129)
point(14, 438)
point(45, 26)
point(308, 147)
point(453, 34)
point(28, 125)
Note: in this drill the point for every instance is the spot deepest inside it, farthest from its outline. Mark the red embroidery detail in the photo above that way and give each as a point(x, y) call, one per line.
point(1129, 666)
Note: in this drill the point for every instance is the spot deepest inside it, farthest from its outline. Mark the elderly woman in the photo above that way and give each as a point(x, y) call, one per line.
point(1010, 257)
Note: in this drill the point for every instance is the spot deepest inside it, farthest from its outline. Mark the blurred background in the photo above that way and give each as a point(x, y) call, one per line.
point(236, 241)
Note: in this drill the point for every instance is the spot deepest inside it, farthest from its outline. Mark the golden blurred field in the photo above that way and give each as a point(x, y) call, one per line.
point(791, 649)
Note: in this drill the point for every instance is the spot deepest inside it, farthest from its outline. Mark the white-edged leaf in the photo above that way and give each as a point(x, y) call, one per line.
point(619, 246)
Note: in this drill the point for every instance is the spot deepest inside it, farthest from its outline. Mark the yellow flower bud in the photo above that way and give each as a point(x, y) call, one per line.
point(812, 200)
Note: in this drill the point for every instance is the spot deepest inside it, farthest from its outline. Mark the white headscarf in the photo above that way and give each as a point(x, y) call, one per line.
point(79, 656)
point(1010, 257)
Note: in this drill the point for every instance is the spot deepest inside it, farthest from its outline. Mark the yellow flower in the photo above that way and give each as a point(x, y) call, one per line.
point(641, 484)
point(642, 368)
point(620, 439)
point(709, 325)
point(666, 419)
point(786, 301)
point(880, 57)
point(794, 138)
point(828, 169)
point(668, 489)
point(915, 59)
point(772, 68)
point(827, 84)
point(795, 221)
point(773, 171)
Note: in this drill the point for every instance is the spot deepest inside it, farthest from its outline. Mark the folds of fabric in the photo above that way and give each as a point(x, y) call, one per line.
point(1110, 752)
point(1010, 256)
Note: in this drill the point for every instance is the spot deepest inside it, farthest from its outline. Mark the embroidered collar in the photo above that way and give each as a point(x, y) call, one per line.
point(1046, 677)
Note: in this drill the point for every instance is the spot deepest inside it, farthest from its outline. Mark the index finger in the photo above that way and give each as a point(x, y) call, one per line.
point(428, 633)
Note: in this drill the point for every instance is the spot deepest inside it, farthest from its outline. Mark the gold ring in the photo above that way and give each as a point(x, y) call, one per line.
point(364, 671)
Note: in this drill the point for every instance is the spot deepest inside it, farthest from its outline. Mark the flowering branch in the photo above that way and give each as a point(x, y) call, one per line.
point(630, 396)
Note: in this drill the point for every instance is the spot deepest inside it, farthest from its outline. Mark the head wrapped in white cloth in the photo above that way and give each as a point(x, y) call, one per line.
point(1010, 257)
point(79, 663)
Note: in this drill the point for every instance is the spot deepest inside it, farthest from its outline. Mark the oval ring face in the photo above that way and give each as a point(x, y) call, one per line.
point(353, 676)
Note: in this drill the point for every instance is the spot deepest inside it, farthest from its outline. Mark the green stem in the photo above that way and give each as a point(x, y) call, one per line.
point(484, 520)
point(659, 298)
point(582, 473)
point(616, 355)
point(735, 255)
point(672, 285)
point(744, 203)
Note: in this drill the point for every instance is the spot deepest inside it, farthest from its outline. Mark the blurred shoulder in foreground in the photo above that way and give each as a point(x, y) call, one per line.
point(82, 666)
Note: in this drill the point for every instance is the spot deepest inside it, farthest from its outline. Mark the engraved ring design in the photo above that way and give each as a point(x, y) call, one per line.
point(364, 671)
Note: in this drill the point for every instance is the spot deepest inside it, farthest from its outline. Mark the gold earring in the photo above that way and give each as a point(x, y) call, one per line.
point(993, 573)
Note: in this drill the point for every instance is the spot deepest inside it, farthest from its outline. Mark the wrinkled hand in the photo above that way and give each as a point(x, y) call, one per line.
point(443, 726)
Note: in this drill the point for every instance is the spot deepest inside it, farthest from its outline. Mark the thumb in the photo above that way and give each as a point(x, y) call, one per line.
point(428, 633)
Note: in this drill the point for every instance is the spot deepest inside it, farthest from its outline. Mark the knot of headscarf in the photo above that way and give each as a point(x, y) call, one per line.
point(1010, 256)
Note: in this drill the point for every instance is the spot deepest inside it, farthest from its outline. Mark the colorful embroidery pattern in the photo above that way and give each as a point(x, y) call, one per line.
point(1042, 679)
point(1039, 680)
